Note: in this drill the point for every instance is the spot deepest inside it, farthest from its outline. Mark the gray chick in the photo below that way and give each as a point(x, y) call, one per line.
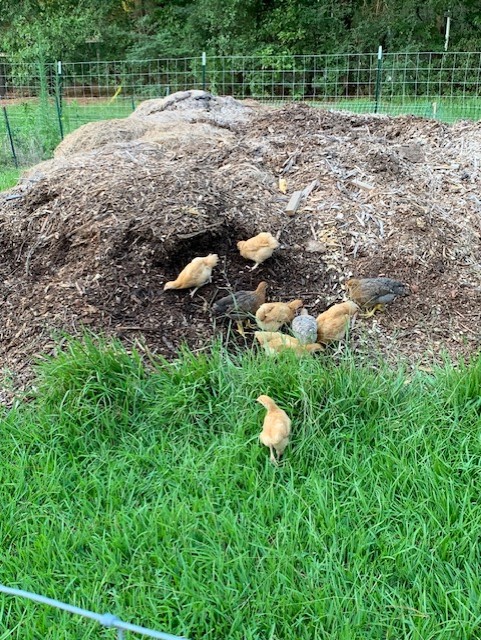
point(375, 293)
point(304, 328)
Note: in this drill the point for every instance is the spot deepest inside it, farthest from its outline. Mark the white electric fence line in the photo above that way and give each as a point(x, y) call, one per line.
point(105, 619)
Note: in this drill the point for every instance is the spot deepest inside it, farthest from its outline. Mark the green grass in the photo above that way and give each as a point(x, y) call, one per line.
point(444, 109)
point(145, 492)
point(8, 178)
point(35, 125)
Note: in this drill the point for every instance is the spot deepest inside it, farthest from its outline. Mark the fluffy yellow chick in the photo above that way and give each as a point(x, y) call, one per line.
point(333, 323)
point(195, 274)
point(275, 342)
point(272, 315)
point(276, 428)
point(258, 248)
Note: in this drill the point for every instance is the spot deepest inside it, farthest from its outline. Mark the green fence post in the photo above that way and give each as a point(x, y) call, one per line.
point(58, 95)
point(378, 78)
point(10, 137)
point(204, 64)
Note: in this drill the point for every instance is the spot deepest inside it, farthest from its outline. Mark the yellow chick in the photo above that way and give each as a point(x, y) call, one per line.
point(276, 428)
point(258, 248)
point(195, 274)
point(275, 342)
point(272, 315)
point(333, 323)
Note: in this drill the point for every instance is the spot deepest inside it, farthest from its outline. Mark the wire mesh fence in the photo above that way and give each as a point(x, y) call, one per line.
point(44, 101)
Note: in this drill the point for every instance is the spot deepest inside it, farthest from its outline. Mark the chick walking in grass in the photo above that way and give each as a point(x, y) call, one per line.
point(276, 428)
point(274, 342)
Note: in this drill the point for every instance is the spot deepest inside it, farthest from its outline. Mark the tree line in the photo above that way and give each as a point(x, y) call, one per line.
point(74, 30)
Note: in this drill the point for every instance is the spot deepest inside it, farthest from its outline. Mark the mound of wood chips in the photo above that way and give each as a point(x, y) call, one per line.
point(183, 117)
point(90, 237)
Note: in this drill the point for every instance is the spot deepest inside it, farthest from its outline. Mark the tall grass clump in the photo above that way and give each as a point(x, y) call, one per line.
point(94, 386)
point(143, 490)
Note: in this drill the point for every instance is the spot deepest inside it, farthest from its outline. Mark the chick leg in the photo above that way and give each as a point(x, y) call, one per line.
point(273, 458)
point(255, 266)
point(377, 307)
point(193, 291)
point(240, 328)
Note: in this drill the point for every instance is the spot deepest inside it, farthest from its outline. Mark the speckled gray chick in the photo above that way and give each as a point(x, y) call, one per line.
point(304, 328)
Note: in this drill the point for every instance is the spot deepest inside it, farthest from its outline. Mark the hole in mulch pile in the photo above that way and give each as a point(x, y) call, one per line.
point(99, 229)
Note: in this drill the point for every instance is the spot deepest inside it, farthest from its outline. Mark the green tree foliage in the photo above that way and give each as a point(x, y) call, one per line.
point(139, 29)
point(54, 29)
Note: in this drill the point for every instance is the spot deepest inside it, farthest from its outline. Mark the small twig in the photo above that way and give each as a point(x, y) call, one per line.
point(187, 236)
point(294, 203)
point(135, 327)
point(475, 333)
point(310, 187)
point(290, 162)
point(282, 229)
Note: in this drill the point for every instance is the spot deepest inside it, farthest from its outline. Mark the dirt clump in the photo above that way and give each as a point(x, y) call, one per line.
point(90, 238)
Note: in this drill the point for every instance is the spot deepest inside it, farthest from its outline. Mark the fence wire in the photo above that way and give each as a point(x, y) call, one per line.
point(107, 620)
point(45, 101)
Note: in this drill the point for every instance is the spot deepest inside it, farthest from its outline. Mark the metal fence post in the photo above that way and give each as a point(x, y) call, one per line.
point(378, 78)
point(10, 137)
point(58, 95)
point(204, 65)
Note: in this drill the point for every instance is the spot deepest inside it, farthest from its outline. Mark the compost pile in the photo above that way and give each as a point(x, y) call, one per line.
point(89, 238)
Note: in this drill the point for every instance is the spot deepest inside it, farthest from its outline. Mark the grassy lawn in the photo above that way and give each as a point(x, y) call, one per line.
point(446, 110)
point(36, 128)
point(146, 493)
